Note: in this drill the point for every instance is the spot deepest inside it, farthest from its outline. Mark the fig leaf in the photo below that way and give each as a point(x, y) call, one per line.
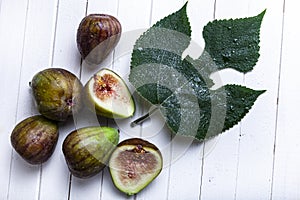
point(181, 87)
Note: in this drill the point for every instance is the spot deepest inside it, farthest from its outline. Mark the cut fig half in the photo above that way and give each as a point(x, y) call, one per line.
point(109, 96)
point(134, 164)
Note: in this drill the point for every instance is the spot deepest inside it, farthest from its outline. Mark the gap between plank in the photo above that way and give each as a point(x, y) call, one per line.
point(151, 13)
point(81, 60)
point(238, 160)
point(40, 181)
point(204, 142)
point(70, 186)
point(238, 153)
point(54, 34)
point(202, 170)
point(277, 103)
point(215, 9)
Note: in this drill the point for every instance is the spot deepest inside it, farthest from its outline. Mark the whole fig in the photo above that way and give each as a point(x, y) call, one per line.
point(35, 138)
point(57, 93)
point(97, 35)
point(88, 149)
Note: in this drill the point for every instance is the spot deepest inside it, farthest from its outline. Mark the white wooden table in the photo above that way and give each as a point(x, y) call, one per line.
point(257, 159)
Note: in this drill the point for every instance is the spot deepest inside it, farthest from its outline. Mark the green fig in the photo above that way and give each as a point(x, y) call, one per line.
point(134, 164)
point(88, 149)
point(97, 35)
point(57, 93)
point(35, 138)
point(108, 95)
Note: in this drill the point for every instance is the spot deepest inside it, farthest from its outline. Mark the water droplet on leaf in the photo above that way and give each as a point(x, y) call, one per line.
point(197, 79)
point(226, 56)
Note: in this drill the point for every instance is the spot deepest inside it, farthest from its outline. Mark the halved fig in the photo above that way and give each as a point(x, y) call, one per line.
point(109, 96)
point(134, 164)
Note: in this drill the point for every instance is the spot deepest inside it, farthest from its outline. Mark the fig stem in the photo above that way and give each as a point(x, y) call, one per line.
point(143, 118)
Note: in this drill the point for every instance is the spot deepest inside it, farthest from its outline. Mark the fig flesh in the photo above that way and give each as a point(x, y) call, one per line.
point(57, 93)
point(109, 96)
point(97, 35)
point(134, 164)
point(88, 149)
point(35, 138)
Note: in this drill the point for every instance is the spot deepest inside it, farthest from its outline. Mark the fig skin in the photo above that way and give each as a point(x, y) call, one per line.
point(87, 150)
point(97, 35)
point(134, 164)
point(57, 92)
point(35, 139)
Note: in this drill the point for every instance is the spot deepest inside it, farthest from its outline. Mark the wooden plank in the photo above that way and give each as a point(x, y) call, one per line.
point(218, 157)
point(286, 169)
point(220, 167)
point(11, 63)
point(257, 136)
point(120, 65)
point(92, 187)
point(64, 55)
point(153, 130)
point(132, 15)
point(176, 151)
point(36, 56)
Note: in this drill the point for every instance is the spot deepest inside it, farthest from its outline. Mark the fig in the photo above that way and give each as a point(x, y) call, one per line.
point(108, 95)
point(88, 149)
point(57, 93)
point(134, 164)
point(35, 138)
point(97, 35)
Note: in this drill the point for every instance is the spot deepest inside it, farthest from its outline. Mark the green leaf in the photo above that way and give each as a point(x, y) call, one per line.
point(239, 100)
point(180, 87)
point(209, 115)
point(234, 43)
point(170, 34)
point(162, 44)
